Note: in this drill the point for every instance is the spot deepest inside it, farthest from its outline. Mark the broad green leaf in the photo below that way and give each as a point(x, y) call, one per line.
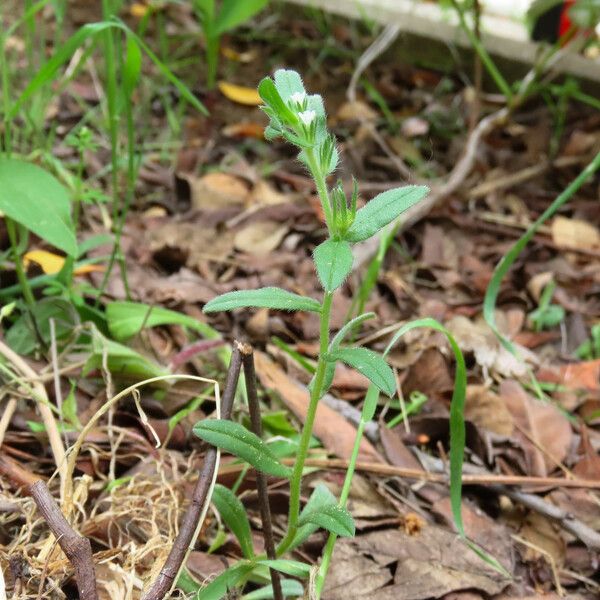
point(334, 518)
point(294, 568)
point(320, 497)
point(23, 338)
point(333, 260)
point(370, 364)
point(288, 83)
point(289, 587)
point(268, 92)
point(269, 297)
point(36, 200)
point(347, 328)
point(232, 511)
point(234, 13)
point(241, 442)
point(126, 319)
point(219, 587)
point(383, 209)
point(121, 361)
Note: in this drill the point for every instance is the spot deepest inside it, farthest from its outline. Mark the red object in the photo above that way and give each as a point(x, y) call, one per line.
point(565, 24)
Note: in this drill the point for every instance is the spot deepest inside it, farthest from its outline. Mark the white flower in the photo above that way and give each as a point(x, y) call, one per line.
point(298, 97)
point(307, 117)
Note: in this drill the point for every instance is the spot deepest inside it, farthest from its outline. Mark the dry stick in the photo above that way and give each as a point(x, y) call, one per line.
point(76, 548)
point(261, 479)
point(56, 444)
point(167, 578)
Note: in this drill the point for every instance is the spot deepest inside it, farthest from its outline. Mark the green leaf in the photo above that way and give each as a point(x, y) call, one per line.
point(294, 568)
point(237, 440)
point(327, 379)
point(333, 260)
point(269, 297)
point(132, 67)
point(268, 92)
point(370, 403)
point(219, 587)
point(320, 497)
point(289, 588)
point(370, 364)
point(334, 518)
point(234, 13)
point(288, 83)
point(232, 511)
point(126, 319)
point(36, 200)
point(121, 360)
point(347, 328)
point(383, 209)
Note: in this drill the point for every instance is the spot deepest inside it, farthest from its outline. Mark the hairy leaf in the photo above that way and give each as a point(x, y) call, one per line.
point(333, 260)
point(332, 517)
point(237, 440)
point(232, 511)
point(383, 209)
point(370, 364)
point(269, 297)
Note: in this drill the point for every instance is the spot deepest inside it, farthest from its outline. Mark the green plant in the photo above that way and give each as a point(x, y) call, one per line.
point(300, 119)
point(218, 18)
point(547, 315)
point(590, 349)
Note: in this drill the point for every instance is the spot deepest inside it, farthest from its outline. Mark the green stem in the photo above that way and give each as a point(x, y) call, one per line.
point(21, 276)
point(483, 55)
point(212, 60)
point(315, 396)
point(328, 551)
point(321, 184)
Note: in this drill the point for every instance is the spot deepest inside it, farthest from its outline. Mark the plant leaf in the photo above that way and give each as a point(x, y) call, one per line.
point(269, 297)
point(347, 328)
point(383, 209)
point(332, 517)
point(219, 587)
point(240, 93)
point(234, 13)
point(370, 364)
point(36, 200)
point(237, 440)
point(132, 67)
point(289, 588)
point(294, 568)
point(333, 260)
point(288, 83)
point(234, 514)
point(126, 319)
point(320, 497)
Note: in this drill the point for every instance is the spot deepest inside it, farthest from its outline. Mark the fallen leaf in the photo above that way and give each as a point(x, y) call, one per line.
point(543, 431)
point(264, 194)
point(576, 376)
point(215, 190)
point(429, 564)
point(540, 532)
point(575, 233)
point(245, 130)
point(241, 94)
point(52, 263)
point(260, 237)
point(355, 111)
point(138, 10)
point(336, 434)
point(487, 409)
point(588, 466)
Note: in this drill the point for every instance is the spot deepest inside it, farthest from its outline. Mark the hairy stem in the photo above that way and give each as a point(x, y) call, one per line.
point(321, 185)
point(315, 396)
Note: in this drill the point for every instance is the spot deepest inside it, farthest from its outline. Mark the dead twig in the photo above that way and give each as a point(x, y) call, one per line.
point(188, 531)
point(261, 479)
point(76, 547)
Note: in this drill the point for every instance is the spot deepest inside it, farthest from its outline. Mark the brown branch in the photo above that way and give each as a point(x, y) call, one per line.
point(76, 547)
point(167, 577)
point(261, 479)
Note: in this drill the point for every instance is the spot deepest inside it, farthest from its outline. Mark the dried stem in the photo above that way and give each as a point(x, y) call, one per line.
point(167, 578)
point(261, 478)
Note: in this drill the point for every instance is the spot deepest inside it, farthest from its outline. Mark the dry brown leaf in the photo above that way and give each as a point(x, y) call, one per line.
point(576, 376)
point(540, 532)
point(336, 434)
point(263, 193)
point(543, 431)
point(355, 111)
point(487, 409)
point(215, 190)
point(575, 233)
point(260, 237)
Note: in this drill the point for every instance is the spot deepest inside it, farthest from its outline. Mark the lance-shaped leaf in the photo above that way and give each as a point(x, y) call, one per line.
point(288, 83)
point(333, 260)
point(269, 297)
point(383, 209)
point(240, 442)
point(221, 585)
point(347, 328)
point(320, 497)
point(294, 568)
point(370, 364)
point(232, 511)
point(332, 517)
